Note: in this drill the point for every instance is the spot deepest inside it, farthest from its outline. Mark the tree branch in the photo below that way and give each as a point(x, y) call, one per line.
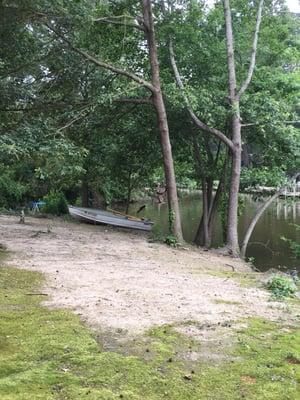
point(103, 64)
point(114, 21)
point(230, 52)
point(220, 135)
point(247, 81)
point(81, 115)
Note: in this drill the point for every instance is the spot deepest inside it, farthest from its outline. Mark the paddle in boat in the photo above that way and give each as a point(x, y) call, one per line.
point(109, 217)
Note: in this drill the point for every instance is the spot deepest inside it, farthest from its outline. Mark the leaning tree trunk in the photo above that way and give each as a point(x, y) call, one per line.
point(254, 221)
point(205, 213)
point(160, 109)
point(203, 234)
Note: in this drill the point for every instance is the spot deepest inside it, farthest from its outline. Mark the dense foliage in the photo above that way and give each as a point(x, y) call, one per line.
point(71, 126)
point(55, 203)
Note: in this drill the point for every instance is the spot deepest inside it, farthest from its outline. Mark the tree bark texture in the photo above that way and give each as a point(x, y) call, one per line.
point(234, 98)
point(160, 109)
point(232, 219)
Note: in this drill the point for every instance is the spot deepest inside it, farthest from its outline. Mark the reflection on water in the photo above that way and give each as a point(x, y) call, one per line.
point(265, 246)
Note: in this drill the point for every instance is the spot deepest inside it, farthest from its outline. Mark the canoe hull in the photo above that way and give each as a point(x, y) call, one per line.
point(108, 218)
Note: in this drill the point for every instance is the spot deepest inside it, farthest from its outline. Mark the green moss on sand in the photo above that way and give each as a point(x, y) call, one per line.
point(245, 279)
point(229, 302)
point(48, 354)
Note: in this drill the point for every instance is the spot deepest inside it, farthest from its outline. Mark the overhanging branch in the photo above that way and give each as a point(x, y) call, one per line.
point(103, 64)
point(217, 133)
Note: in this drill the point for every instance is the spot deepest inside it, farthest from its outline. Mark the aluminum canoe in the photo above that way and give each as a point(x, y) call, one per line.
point(110, 218)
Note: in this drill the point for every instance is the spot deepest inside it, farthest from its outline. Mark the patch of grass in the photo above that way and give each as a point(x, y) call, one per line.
point(245, 279)
point(49, 355)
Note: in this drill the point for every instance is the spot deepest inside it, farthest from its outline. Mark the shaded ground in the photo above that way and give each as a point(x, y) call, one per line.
point(120, 282)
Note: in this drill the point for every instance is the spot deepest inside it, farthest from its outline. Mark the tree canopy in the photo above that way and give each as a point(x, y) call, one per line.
point(77, 112)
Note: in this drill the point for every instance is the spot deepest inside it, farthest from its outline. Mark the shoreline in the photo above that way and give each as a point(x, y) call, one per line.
point(100, 272)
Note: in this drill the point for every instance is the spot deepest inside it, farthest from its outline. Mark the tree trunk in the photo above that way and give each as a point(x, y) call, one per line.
point(98, 200)
point(128, 197)
point(245, 156)
point(159, 105)
point(203, 236)
point(232, 219)
point(205, 212)
point(84, 194)
point(232, 241)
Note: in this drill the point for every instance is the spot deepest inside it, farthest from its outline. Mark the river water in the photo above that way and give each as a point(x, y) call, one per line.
point(265, 246)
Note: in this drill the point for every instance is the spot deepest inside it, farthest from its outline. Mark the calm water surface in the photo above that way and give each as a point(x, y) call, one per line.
point(265, 246)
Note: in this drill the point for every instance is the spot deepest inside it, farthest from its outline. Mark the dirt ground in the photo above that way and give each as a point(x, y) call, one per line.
point(120, 281)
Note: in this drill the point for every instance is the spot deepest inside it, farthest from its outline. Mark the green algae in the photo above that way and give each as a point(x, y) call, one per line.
point(49, 354)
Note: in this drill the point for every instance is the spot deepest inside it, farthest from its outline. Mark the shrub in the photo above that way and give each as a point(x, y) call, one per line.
point(11, 191)
point(171, 240)
point(281, 287)
point(56, 203)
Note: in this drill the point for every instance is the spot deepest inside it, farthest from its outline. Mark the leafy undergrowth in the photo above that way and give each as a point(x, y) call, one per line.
point(46, 354)
point(281, 287)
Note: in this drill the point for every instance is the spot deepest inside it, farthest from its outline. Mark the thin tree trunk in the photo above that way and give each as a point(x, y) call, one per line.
point(245, 156)
point(203, 236)
point(212, 205)
point(162, 121)
point(215, 201)
point(254, 221)
point(198, 239)
point(202, 231)
point(233, 202)
point(205, 213)
point(129, 190)
point(84, 193)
